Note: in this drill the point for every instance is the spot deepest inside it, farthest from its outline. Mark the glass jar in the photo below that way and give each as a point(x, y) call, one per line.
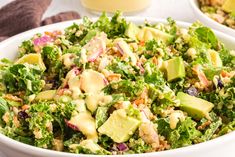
point(110, 6)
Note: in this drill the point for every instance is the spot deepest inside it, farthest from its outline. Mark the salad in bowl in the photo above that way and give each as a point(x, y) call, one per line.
point(112, 87)
point(222, 11)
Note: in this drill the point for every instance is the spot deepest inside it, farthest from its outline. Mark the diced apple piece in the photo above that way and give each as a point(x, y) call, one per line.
point(125, 50)
point(92, 81)
point(95, 47)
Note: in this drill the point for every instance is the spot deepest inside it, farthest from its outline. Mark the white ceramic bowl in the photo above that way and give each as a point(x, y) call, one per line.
point(10, 148)
point(208, 21)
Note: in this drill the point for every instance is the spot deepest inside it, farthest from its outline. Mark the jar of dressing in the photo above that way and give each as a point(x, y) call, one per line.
point(110, 6)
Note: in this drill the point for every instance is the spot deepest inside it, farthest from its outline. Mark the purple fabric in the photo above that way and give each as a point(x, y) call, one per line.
point(22, 15)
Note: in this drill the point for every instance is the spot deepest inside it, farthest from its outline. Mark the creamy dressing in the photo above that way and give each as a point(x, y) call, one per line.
point(68, 59)
point(86, 124)
point(175, 117)
point(92, 81)
point(93, 100)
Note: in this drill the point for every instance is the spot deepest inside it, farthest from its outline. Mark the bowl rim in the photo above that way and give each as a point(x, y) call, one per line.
point(195, 6)
point(25, 148)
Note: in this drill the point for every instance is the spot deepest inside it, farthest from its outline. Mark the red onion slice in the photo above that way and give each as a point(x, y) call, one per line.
point(41, 41)
point(122, 147)
point(70, 125)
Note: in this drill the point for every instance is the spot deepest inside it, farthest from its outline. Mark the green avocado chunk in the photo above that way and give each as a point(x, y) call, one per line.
point(119, 126)
point(132, 30)
point(46, 95)
point(149, 33)
point(196, 107)
point(175, 69)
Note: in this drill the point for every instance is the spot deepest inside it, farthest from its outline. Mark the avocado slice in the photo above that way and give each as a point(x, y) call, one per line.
point(14, 103)
point(214, 58)
point(88, 36)
point(175, 69)
point(46, 95)
point(132, 30)
point(149, 33)
point(32, 58)
point(119, 126)
point(229, 6)
point(196, 107)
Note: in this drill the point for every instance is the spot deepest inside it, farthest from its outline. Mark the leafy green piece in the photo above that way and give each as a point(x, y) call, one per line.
point(126, 87)
point(3, 108)
point(133, 112)
point(153, 75)
point(126, 70)
point(227, 128)
point(40, 123)
point(227, 58)
point(117, 98)
point(21, 77)
point(224, 103)
point(26, 47)
point(138, 145)
point(105, 141)
point(101, 116)
point(155, 48)
point(88, 37)
point(114, 28)
point(73, 49)
point(206, 35)
point(173, 26)
point(55, 69)
point(183, 135)
point(207, 135)
point(50, 55)
point(88, 147)
point(210, 72)
point(75, 139)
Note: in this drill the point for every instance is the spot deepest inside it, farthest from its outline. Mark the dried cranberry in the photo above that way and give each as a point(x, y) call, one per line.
point(220, 83)
point(23, 115)
point(192, 91)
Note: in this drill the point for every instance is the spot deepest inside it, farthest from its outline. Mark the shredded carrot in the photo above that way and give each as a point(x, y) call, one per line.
point(202, 77)
point(13, 98)
point(142, 43)
point(155, 60)
point(139, 101)
point(25, 107)
point(225, 74)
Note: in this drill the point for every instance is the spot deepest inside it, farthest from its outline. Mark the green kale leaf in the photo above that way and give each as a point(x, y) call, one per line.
point(183, 135)
point(20, 77)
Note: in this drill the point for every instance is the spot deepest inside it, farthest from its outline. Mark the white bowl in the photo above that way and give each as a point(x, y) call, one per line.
point(208, 21)
point(10, 148)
